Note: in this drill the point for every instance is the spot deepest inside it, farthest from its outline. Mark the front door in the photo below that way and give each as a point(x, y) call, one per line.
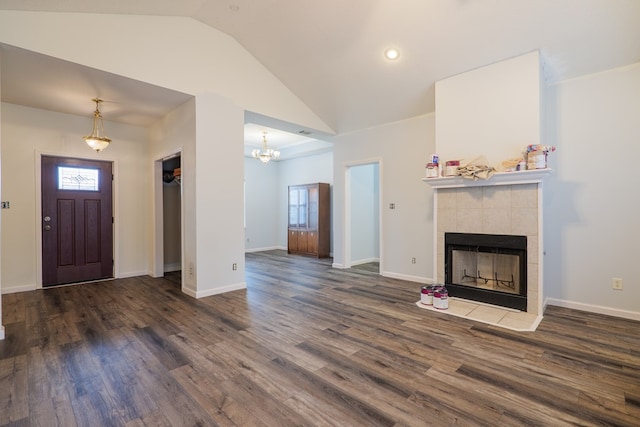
point(77, 224)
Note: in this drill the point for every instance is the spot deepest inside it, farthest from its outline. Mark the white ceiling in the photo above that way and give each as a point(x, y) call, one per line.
point(48, 83)
point(330, 52)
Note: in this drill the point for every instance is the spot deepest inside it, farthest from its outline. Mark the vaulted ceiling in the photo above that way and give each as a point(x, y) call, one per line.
point(330, 53)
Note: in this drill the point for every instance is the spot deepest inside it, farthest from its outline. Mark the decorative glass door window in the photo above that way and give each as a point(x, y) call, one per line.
point(83, 179)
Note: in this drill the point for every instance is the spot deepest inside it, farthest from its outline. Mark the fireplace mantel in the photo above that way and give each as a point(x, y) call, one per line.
point(499, 178)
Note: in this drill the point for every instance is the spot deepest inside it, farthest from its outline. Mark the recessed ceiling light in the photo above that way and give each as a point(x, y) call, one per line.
point(392, 54)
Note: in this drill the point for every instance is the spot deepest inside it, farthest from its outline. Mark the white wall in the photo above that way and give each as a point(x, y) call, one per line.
point(591, 212)
point(219, 198)
point(208, 131)
point(262, 208)
point(407, 231)
point(175, 133)
point(27, 133)
point(1, 195)
point(492, 111)
point(365, 213)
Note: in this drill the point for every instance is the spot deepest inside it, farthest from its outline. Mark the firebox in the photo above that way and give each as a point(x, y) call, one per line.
point(488, 268)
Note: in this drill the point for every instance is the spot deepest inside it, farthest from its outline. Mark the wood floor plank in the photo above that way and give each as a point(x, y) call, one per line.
point(304, 344)
point(14, 399)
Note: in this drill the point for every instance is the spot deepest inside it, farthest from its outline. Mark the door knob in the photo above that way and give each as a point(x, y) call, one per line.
point(47, 227)
point(47, 218)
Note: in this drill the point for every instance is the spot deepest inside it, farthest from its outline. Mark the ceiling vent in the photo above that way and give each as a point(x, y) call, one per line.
point(304, 132)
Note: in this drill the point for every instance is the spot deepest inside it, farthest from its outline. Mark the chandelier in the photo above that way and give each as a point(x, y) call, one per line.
point(265, 154)
point(97, 140)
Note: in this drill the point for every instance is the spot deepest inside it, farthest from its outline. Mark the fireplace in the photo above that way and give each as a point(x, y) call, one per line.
point(509, 203)
point(490, 268)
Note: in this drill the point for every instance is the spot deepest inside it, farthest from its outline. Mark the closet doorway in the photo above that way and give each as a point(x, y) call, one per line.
point(171, 214)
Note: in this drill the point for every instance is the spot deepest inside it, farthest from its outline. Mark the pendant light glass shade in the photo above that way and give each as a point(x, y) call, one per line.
point(97, 140)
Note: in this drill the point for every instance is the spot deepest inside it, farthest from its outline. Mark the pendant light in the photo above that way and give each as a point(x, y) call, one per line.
point(97, 140)
point(265, 154)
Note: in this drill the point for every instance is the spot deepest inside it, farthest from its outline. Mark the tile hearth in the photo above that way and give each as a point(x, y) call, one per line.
point(489, 314)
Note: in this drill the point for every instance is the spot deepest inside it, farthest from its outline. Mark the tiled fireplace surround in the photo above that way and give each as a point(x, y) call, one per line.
point(508, 203)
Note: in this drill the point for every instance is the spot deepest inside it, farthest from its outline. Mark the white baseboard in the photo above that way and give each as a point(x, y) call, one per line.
point(338, 265)
point(625, 314)
point(126, 275)
point(268, 248)
point(1, 332)
point(189, 292)
point(406, 277)
point(23, 288)
point(214, 291)
point(364, 261)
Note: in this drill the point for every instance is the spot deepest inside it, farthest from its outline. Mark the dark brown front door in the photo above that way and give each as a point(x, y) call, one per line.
point(77, 229)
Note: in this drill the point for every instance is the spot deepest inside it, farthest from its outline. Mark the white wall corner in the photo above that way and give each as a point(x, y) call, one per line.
point(189, 292)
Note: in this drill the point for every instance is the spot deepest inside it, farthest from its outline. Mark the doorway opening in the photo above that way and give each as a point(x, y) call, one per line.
point(171, 214)
point(362, 219)
point(168, 214)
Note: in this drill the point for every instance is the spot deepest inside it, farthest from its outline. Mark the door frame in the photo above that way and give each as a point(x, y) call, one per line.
point(157, 267)
point(115, 189)
point(347, 210)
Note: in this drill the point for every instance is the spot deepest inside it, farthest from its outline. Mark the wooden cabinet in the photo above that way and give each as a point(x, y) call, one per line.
point(309, 218)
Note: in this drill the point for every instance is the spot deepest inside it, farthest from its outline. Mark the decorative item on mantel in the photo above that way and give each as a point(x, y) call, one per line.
point(451, 167)
point(536, 155)
point(476, 169)
point(432, 169)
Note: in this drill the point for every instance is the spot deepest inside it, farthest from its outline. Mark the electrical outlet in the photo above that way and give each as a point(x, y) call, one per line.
point(617, 283)
point(413, 260)
point(191, 269)
point(234, 267)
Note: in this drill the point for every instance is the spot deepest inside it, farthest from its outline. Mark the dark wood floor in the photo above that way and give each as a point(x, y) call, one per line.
point(305, 344)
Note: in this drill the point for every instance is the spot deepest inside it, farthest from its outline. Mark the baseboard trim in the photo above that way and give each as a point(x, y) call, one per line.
point(215, 291)
point(189, 292)
point(615, 312)
point(364, 261)
point(268, 248)
point(338, 265)
point(132, 274)
point(406, 277)
point(16, 289)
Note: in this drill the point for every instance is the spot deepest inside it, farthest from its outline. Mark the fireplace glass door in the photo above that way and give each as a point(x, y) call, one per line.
point(495, 271)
